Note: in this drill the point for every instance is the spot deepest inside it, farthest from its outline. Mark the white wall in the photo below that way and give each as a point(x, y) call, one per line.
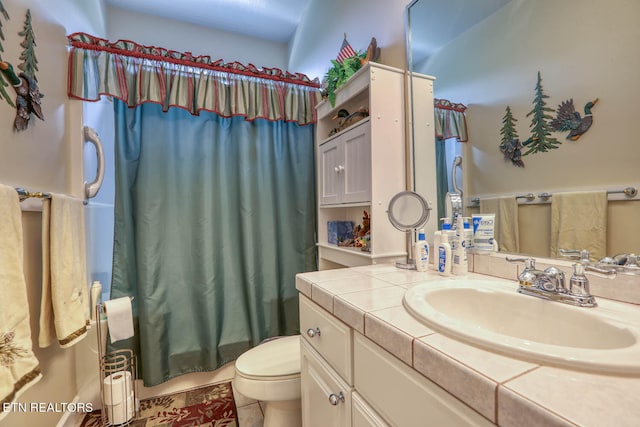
point(583, 49)
point(231, 47)
point(319, 36)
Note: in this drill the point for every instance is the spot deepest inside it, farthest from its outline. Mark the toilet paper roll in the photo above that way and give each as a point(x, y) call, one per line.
point(120, 413)
point(119, 318)
point(117, 388)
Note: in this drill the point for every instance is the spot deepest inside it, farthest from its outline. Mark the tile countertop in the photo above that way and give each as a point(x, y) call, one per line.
point(507, 391)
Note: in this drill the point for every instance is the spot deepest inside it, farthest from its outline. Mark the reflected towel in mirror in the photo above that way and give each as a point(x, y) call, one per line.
point(506, 222)
point(579, 221)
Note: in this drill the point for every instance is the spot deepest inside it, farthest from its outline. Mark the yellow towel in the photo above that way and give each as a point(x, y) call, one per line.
point(64, 309)
point(506, 222)
point(19, 368)
point(579, 221)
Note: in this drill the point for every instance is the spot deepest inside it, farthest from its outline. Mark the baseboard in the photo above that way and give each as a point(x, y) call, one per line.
point(71, 419)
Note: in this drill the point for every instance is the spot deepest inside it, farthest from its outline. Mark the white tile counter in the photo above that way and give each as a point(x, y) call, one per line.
point(505, 390)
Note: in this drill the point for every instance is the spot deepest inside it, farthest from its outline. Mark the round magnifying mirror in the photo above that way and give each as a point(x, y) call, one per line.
point(408, 211)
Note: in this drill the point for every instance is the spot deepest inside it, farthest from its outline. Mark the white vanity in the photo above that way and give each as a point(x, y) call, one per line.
point(367, 362)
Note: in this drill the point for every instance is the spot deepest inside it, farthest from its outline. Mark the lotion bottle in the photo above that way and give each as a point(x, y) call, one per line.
point(437, 236)
point(444, 255)
point(468, 233)
point(460, 266)
point(421, 252)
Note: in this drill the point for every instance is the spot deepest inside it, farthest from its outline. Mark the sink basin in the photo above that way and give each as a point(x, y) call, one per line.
point(492, 315)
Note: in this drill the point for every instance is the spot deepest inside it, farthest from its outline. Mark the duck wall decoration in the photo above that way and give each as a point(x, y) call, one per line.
point(568, 119)
point(25, 84)
point(27, 96)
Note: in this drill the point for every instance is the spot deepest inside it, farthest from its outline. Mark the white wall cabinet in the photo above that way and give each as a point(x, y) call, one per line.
point(370, 389)
point(363, 166)
point(345, 167)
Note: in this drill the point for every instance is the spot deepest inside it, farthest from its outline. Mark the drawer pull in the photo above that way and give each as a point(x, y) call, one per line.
point(313, 332)
point(334, 399)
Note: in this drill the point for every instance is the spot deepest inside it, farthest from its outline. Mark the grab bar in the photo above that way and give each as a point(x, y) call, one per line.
point(91, 188)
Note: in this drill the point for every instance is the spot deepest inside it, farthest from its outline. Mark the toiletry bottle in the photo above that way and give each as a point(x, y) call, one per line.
point(421, 252)
point(437, 236)
point(459, 265)
point(444, 255)
point(468, 233)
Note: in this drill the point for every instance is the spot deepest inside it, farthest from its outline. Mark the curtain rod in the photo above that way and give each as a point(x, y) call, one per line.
point(629, 192)
point(24, 194)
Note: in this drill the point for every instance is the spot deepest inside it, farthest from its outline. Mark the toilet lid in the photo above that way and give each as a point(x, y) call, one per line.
point(276, 358)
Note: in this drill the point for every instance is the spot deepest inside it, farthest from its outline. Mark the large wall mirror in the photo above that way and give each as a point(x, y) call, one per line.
point(487, 55)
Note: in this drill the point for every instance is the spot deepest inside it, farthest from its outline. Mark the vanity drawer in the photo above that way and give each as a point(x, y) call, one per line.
point(401, 395)
point(328, 336)
point(326, 398)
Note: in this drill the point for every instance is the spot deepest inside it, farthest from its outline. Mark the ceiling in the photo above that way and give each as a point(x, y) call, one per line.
point(274, 20)
point(434, 23)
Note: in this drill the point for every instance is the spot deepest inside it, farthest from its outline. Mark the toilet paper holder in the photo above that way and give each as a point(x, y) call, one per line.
point(118, 375)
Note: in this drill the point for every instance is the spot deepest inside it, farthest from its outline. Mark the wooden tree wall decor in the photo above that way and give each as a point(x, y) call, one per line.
point(3, 83)
point(510, 145)
point(540, 139)
point(29, 63)
point(28, 96)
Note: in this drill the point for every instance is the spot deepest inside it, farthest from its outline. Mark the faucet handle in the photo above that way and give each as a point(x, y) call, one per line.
point(529, 263)
point(581, 255)
point(609, 273)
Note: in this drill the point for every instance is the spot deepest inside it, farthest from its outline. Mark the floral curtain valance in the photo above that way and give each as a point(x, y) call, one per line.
point(137, 74)
point(451, 121)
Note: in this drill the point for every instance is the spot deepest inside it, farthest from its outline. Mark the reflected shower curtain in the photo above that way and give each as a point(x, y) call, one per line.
point(213, 218)
point(442, 183)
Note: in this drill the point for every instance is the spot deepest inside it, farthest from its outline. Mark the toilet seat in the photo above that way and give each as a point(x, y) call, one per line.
point(278, 359)
point(270, 373)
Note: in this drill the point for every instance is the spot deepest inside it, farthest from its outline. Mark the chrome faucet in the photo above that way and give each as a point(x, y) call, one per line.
point(550, 283)
point(622, 263)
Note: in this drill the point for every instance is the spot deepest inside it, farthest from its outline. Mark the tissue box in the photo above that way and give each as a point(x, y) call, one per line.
point(337, 231)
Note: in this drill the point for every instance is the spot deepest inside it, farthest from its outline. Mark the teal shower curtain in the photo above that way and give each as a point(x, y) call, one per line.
point(214, 217)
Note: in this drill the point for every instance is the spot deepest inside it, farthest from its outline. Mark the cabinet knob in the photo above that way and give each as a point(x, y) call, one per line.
point(313, 332)
point(338, 169)
point(334, 399)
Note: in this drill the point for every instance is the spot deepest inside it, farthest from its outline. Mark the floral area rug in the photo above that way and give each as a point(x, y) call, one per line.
point(208, 406)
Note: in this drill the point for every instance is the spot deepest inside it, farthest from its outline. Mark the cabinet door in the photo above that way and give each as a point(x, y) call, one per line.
point(331, 168)
point(364, 415)
point(326, 399)
point(357, 164)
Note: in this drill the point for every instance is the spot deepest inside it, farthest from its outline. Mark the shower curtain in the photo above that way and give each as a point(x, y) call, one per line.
point(214, 216)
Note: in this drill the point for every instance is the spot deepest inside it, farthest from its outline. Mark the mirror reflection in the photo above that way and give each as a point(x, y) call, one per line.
point(512, 64)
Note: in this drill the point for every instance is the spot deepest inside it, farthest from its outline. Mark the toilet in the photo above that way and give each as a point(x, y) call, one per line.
point(270, 372)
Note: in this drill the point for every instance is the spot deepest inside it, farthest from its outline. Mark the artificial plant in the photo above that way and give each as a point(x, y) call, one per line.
point(339, 73)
